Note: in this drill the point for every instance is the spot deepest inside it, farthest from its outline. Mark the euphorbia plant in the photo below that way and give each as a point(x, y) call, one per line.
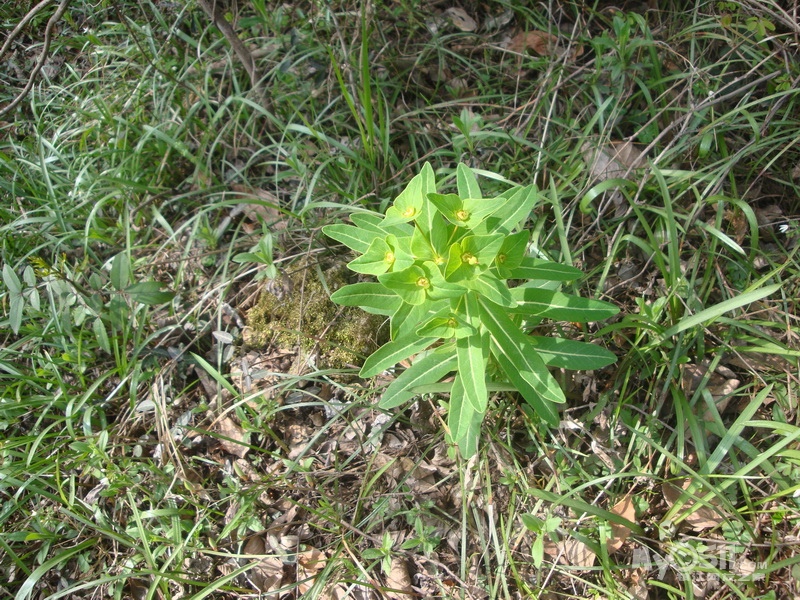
point(443, 264)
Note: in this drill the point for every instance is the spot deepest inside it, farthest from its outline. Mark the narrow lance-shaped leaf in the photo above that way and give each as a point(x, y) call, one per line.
point(558, 305)
point(148, 293)
point(571, 354)
point(545, 270)
point(470, 435)
point(709, 314)
point(425, 371)
point(472, 369)
point(467, 182)
point(518, 359)
point(355, 238)
point(492, 288)
point(527, 386)
point(512, 213)
point(392, 353)
point(460, 412)
point(371, 297)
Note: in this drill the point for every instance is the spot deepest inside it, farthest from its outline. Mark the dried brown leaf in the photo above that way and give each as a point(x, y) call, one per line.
point(267, 575)
point(266, 211)
point(571, 552)
point(543, 44)
point(309, 563)
point(540, 42)
point(638, 585)
point(399, 581)
point(700, 517)
point(721, 384)
point(461, 19)
point(255, 546)
point(619, 532)
point(611, 161)
point(238, 441)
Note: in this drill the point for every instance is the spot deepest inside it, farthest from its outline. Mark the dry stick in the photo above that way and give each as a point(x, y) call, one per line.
point(25, 20)
point(249, 63)
point(48, 32)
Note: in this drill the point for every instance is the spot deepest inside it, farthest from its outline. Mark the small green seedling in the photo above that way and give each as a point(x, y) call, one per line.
point(443, 264)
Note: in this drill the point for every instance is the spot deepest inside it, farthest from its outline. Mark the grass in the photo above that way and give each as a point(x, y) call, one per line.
point(149, 452)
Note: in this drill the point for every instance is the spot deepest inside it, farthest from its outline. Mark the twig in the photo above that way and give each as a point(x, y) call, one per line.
point(21, 25)
point(48, 32)
point(249, 63)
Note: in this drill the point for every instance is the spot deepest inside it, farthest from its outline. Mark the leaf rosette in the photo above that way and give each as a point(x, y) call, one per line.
point(443, 263)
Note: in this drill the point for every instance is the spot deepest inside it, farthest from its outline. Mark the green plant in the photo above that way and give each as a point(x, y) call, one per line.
point(444, 263)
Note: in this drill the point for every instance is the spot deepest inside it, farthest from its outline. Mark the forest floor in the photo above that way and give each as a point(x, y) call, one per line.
point(180, 408)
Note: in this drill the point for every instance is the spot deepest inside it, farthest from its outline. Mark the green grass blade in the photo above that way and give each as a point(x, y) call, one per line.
point(709, 314)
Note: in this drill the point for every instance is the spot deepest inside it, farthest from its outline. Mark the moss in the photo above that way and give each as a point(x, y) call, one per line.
point(300, 316)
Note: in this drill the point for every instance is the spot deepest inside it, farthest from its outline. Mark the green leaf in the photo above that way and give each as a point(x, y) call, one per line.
point(101, 335)
point(409, 205)
point(15, 309)
point(520, 362)
point(120, 271)
point(148, 293)
point(547, 270)
point(447, 326)
point(392, 353)
point(571, 354)
point(580, 506)
point(367, 220)
point(512, 213)
point(429, 214)
point(511, 253)
point(16, 301)
point(420, 282)
point(379, 258)
point(472, 370)
point(355, 238)
point(11, 280)
point(528, 386)
point(471, 256)
point(492, 288)
point(560, 306)
point(246, 257)
point(373, 298)
point(433, 245)
point(471, 435)
point(460, 412)
point(427, 370)
point(408, 318)
point(467, 182)
point(410, 284)
point(465, 212)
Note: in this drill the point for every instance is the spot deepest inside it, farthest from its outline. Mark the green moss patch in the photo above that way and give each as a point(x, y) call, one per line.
point(298, 315)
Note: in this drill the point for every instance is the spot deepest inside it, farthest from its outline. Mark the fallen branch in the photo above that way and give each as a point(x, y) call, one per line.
point(249, 63)
point(48, 33)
